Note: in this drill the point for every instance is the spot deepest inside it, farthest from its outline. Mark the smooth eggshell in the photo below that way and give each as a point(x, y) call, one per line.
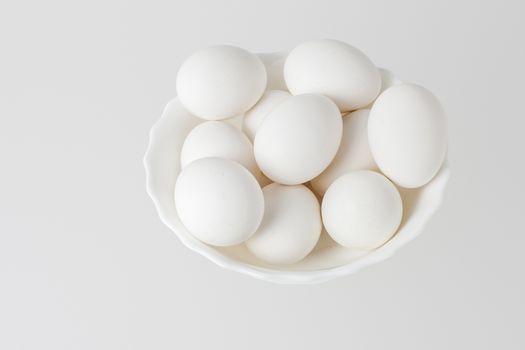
point(220, 82)
point(291, 225)
point(218, 139)
point(362, 209)
point(334, 69)
point(219, 201)
point(254, 117)
point(298, 139)
point(353, 154)
point(407, 134)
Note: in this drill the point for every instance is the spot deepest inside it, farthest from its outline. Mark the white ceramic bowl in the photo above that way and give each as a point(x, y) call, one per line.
point(327, 261)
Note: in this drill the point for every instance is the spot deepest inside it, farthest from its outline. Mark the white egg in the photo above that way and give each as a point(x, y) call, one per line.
point(254, 117)
point(220, 82)
point(334, 69)
point(362, 209)
point(298, 139)
point(291, 225)
point(408, 134)
point(218, 139)
point(219, 201)
point(353, 154)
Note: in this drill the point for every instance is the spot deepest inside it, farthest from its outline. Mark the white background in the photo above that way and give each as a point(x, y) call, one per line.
point(85, 263)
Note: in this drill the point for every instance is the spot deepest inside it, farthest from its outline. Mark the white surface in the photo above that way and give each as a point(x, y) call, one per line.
point(298, 139)
point(218, 201)
point(407, 133)
point(220, 82)
point(335, 69)
point(86, 264)
point(362, 209)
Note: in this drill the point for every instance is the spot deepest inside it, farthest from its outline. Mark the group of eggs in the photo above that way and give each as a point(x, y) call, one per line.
point(328, 149)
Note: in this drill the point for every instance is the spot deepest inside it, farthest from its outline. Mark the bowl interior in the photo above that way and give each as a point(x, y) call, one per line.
point(328, 259)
